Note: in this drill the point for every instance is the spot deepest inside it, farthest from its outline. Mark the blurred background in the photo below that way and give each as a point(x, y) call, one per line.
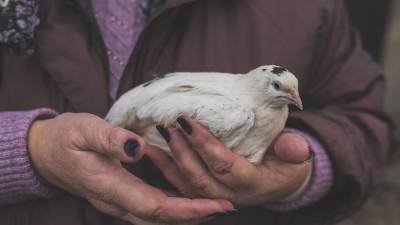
point(378, 21)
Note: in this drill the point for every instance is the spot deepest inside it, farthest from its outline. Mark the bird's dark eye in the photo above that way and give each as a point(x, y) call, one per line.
point(277, 86)
point(264, 69)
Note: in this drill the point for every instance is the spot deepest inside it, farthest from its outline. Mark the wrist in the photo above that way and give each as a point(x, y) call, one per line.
point(34, 145)
point(34, 136)
point(22, 181)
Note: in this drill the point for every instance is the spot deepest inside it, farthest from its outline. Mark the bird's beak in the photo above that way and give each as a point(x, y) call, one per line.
point(295, 99)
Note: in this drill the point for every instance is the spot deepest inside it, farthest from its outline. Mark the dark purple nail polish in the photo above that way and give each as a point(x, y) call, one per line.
point(164, 133)
point(185, 125)
point(131, 147)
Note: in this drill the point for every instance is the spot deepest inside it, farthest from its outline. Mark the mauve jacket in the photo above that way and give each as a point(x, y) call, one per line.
point(341, 87)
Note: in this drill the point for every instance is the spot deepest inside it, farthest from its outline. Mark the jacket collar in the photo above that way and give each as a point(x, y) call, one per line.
point(168, 3)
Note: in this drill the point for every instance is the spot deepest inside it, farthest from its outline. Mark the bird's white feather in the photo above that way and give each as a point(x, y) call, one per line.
point(226, 104)
point(185, 94)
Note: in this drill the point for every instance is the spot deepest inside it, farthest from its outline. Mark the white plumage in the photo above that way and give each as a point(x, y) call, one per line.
point(244, 111)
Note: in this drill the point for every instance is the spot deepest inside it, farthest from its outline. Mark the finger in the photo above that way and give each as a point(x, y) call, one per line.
point(170, 170)
point(231, 169)
point(112, 141)
point(280, 179)
point(123, 214)
point(286, 167)
point(152, 204)
point(193, 169)
point(138, 221)
point(291, 148)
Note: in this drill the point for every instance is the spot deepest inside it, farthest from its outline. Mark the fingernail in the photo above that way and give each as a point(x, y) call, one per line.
point(310, 157)
point(131, 147)
point(164, 133)
point(184, 125)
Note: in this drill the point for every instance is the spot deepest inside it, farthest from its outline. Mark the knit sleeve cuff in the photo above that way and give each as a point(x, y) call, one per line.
point(316, 186)
point(18, 180)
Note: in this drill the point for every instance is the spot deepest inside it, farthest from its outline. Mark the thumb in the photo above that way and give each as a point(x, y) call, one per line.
point(291, 147)
point(112, 141)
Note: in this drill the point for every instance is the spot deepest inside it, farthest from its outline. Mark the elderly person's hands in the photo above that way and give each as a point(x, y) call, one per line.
point(81, 154)
point(202, 166)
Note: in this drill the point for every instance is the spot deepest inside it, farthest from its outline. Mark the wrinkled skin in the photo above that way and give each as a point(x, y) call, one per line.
point(202, 166)
point(81, 154)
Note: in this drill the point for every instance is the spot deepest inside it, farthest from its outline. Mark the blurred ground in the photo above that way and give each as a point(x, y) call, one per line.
point(384, 206)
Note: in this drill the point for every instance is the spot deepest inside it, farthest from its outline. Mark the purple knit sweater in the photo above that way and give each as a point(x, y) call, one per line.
point(121, 21)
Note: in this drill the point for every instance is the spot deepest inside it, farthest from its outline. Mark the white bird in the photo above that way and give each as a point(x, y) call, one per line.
point(244, 111)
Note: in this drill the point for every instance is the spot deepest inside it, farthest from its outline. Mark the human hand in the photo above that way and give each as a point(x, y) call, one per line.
point(202, 166)
point(81, 153)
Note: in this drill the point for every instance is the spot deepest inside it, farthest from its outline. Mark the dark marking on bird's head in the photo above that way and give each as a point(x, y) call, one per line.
point(278, 70)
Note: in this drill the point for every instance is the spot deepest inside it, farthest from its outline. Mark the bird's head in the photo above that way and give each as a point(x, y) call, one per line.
point(276, 85)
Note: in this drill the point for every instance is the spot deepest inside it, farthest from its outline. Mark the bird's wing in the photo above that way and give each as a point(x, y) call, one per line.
point(123, 112)
point(209, 101)
point(224, 116)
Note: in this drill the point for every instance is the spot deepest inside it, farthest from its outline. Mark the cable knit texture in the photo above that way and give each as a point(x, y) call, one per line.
point(121, 22)
point(18, 181)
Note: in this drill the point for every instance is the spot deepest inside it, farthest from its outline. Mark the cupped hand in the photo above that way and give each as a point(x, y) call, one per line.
point(201, 166)
point(81, 153)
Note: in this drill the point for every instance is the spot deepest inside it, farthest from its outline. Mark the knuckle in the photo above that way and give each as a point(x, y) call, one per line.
point(77, 128)
point(201, 141)
point(199, 183)
point(109, 194)
point(222, 166)
point(157, 214)
point(109, 139)
point(179, 150)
